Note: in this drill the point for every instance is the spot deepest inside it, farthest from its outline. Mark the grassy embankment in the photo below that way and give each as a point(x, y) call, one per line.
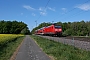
point(8, 44)
point(61, 51)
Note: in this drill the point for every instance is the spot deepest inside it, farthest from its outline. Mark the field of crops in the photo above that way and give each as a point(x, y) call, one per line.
point(8, 44)
point(5, 38)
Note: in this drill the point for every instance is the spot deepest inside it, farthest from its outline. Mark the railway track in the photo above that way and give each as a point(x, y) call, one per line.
point(77, 38)
point(79, 42)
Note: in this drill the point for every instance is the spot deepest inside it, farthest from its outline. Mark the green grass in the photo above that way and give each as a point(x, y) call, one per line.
point(8, 49)
point(61, 51)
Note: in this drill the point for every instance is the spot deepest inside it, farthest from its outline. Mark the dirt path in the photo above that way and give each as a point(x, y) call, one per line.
point(29, 50)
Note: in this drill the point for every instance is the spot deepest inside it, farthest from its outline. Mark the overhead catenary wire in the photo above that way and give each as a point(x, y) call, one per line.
point(66, 12)
point(78, 13)
point(43, 10)
point(73, 10)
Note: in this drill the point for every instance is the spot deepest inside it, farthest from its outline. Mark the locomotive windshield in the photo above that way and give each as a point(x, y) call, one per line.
point(58, 27)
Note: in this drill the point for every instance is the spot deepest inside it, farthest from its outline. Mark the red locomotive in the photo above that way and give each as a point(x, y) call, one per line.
point(50, 30)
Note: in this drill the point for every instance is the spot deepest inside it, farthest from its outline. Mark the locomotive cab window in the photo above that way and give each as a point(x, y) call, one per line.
point(58, 27)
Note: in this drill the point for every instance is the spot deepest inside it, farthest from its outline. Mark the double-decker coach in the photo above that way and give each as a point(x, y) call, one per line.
point(39, 31)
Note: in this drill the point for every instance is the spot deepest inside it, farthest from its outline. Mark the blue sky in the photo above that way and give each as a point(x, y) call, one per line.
point(29, 11)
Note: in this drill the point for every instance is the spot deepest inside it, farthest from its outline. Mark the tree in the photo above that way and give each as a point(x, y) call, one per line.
point(25, 31)
point(12, 27)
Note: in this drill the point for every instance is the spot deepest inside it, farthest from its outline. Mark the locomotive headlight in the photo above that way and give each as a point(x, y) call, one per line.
point(60, 29)
point(56, 29)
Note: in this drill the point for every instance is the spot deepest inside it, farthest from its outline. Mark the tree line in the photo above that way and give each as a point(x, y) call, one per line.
point(81, 28)
point(13, 27)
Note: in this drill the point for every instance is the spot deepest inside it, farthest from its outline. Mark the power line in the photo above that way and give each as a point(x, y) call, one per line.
point(73, 9)
point(36, 23)
point(78, 13)
point(44, 9)
point(47, 3)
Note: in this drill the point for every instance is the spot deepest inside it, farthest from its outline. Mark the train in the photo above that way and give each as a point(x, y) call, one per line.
point(53, 30)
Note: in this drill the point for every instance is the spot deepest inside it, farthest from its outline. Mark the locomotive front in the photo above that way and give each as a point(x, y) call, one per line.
point(58, 30)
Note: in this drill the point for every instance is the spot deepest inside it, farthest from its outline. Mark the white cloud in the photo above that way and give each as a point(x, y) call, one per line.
point(64, 9)
point(33, 14)
point(42, 9)
point(28, 7)
point(85, 7)
point(43, 13)
point(52, 9)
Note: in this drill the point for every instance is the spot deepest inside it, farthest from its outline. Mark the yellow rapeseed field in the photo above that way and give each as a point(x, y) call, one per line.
point(4, 38)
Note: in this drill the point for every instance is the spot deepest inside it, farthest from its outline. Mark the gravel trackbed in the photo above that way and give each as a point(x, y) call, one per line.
point(85, 45)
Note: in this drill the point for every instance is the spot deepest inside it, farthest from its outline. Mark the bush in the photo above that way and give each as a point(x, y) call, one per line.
point(68, 32)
